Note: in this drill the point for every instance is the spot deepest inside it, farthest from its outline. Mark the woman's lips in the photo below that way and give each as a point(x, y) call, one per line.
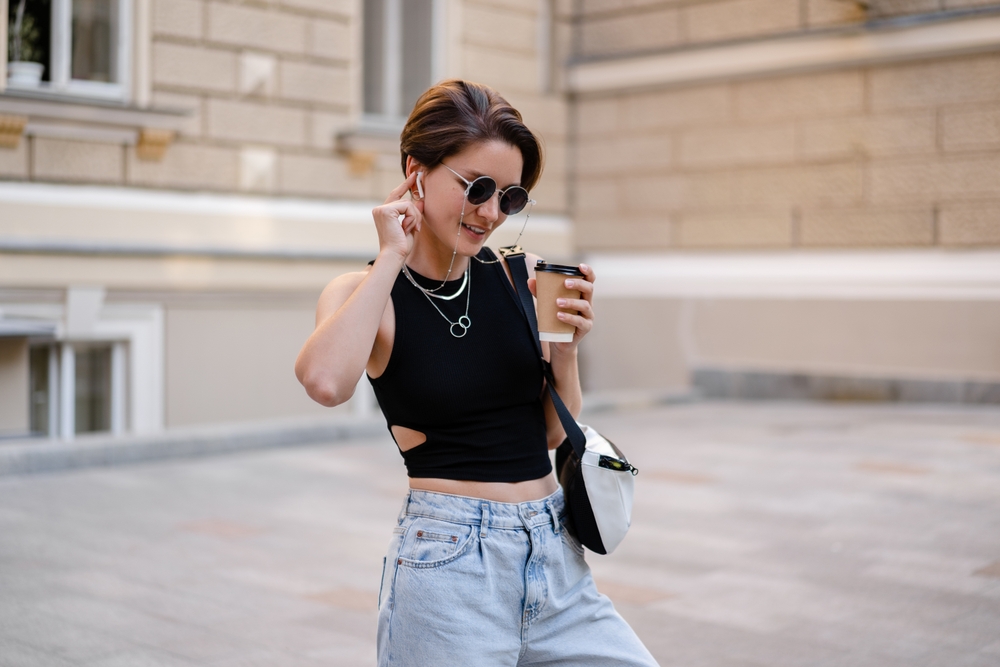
point(477, 233)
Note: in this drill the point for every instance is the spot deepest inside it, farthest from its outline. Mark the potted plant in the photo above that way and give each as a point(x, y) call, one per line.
point(22, 70)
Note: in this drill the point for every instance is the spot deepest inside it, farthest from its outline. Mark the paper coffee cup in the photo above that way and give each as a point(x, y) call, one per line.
point(550, 284)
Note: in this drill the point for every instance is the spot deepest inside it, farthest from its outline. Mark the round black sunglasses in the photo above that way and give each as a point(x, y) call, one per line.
point(478, 192)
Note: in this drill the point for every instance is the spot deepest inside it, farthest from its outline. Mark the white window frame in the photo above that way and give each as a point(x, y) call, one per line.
point(62, 397)
point(61, 51)
point(60, 81)
point(135, 333)
point(392, 42)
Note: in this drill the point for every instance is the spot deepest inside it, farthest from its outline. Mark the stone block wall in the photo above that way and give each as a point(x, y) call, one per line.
point(500, 46)
point(269, 85)
point(902, 155)
point(611, 27)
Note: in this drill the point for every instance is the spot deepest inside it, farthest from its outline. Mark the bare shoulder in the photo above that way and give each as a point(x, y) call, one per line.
point(337, 292)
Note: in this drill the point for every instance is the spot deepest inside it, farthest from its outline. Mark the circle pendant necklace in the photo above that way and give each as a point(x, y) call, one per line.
point(461, 327)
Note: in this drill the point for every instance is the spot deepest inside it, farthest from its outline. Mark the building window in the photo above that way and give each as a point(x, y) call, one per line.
point(400, 39)
point(41, 386)
point(77, 388)
point(93, 389)
point(95, 24)
point(81, 46)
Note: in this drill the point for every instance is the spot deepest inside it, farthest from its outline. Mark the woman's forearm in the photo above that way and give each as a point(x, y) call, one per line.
point(566, 370)
point(335, 355)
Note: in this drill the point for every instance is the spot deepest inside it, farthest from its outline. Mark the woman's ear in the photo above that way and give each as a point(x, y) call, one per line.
point(412, 165)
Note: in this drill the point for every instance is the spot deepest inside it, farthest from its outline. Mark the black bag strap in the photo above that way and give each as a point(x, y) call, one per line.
point(520, 273)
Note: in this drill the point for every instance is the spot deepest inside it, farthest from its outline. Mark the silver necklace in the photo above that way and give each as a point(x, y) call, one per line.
point(464, 323)
point(430, 292)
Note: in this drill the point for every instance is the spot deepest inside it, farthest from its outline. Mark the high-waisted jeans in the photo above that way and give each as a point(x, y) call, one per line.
point(478, 583)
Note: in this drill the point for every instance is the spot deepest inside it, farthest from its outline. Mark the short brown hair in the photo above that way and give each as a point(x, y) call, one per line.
point(453, 114)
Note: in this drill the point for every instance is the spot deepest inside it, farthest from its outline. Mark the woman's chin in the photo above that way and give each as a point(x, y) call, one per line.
point(471, 246)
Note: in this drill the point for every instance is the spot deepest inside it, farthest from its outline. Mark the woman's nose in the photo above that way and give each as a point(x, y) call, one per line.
point(490, 209)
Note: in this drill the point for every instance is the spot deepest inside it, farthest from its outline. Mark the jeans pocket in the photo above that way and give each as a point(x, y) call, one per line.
point(433, 543)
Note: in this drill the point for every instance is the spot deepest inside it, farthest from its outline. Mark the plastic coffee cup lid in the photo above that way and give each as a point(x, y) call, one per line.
point(542, 265)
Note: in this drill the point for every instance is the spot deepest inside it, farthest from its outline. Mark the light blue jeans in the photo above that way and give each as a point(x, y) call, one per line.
point(478, 583)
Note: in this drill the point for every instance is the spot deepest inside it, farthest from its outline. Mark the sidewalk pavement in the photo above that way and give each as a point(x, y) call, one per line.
point(22, 456)
point(764, 535)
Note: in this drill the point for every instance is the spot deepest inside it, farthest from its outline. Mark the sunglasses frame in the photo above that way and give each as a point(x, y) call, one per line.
point(496, 189)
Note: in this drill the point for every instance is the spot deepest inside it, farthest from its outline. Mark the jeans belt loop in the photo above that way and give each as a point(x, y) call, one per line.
point(554, 515)
point(485, 521)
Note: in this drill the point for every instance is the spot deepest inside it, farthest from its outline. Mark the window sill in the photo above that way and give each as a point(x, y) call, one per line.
point(74, 91)
point(367, 142)
point(51, 114)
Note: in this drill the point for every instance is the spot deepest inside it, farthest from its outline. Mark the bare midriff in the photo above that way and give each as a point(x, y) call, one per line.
point(501, 492)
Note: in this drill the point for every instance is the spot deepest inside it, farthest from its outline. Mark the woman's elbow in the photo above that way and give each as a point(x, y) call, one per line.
point(327, 394)
point(320, 388)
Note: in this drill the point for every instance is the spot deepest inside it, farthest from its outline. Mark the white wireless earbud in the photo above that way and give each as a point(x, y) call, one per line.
point(420, 187)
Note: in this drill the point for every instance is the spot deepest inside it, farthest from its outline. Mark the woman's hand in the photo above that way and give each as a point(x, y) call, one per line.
point(393, 236)
point(584, 321)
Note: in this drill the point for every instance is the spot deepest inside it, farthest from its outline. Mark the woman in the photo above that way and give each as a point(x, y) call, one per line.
point(480, 570)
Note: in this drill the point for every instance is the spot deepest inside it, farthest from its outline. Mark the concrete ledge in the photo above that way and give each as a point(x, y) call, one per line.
point(938, 36)
point(736, 384)
point(622, 400)
point(870, 275)
point(18, 457)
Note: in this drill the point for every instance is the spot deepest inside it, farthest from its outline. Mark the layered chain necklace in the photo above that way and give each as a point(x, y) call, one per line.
point(461, 327)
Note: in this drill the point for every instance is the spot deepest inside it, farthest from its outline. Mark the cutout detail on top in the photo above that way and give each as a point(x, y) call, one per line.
point(407, 438)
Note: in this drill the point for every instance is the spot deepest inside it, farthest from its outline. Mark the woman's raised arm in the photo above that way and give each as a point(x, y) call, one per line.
point(352, 306)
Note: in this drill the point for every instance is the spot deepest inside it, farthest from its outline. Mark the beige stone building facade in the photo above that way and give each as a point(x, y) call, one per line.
point(776, 194)
point(791, 198)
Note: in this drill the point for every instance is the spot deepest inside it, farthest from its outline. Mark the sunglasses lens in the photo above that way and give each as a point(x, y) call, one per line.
point(481, 189)
point(513, 200)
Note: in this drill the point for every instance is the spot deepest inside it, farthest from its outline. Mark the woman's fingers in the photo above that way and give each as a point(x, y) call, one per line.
point(581, 305)
point(411, 222)
point(395, 233)
point(399, 207)
point(398, 192)
point(584, 320)
point(583, 324)
point(585, 287)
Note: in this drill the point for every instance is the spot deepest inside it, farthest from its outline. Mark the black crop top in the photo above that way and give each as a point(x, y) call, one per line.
point(476, 398)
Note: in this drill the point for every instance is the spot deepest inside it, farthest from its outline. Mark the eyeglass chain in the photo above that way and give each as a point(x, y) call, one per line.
point(454, 253)
point(464, 322)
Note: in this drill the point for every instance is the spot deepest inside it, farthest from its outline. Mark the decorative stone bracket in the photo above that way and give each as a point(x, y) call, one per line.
point(366, 144)
point(11, 129)
point(153, 144)
point(151, 131)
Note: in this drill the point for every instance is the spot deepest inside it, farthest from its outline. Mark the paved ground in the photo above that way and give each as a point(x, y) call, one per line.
point(765, 535)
